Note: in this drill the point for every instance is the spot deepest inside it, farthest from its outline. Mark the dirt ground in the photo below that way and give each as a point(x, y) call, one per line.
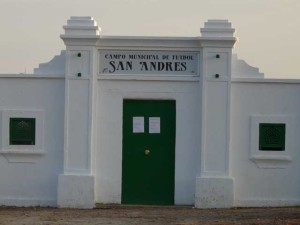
point(117, 215)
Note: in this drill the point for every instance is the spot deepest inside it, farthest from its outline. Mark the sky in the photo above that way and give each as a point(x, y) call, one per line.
point(268, 30)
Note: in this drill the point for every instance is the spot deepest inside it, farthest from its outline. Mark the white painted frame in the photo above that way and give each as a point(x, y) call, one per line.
point(272, 159)
point(23, 153)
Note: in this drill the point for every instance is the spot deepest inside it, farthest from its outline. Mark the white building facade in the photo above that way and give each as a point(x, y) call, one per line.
point(148, 120)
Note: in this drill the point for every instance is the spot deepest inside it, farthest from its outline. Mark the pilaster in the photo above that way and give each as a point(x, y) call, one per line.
point(214, 186)
point(77, 180)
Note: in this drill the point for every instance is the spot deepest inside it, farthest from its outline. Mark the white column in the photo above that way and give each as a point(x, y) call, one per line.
point(76, 184)
point(214, 186)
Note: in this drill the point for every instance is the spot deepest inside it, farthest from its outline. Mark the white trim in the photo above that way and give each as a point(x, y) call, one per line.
point(163, 38)
point(265, 80)
point(167, 38)
point(22, 156)
point(35, 76)
point(23, 153)
point(272, 159)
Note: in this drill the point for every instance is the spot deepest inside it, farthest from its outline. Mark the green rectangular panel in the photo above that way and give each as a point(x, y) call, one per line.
point(148, 166)
point(271, 137)
point(22, 131)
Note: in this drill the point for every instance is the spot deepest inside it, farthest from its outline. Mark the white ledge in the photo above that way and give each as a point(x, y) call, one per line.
point(35, 76)
point(176, 38)
point(167, 38)
point(22, 156)
point(265, 80)
point(271, 161)
point(25, 151)
point(272, 157)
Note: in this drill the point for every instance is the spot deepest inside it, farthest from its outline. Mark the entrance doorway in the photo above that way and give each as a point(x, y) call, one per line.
point(148, 166)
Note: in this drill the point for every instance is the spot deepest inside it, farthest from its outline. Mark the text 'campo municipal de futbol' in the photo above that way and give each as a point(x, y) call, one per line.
point(131, 62)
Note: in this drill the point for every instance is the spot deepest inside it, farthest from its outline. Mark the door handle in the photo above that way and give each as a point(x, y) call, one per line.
point(147, 152)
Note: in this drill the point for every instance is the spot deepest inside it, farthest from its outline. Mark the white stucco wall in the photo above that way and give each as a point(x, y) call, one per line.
point(77, 159)
point(31, 179)
point(274, 182)
point(109, 136)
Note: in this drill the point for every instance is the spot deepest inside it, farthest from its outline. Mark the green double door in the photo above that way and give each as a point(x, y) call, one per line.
point(148, 165)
